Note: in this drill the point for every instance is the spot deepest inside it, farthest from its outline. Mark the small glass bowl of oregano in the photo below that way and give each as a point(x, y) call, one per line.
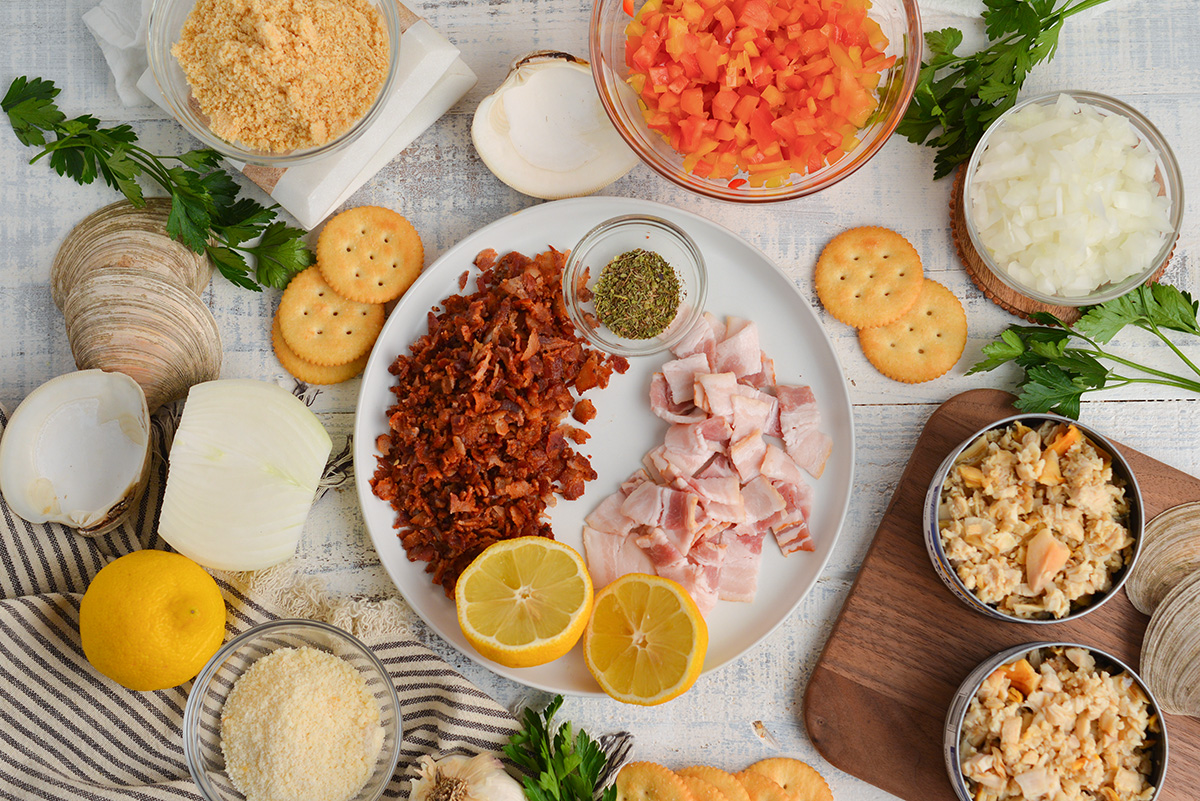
point(635, 285)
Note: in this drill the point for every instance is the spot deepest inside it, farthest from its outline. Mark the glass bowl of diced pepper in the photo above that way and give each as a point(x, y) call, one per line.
point(755, 101)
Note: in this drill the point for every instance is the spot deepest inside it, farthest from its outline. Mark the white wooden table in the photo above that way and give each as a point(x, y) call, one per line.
point(1145, 53)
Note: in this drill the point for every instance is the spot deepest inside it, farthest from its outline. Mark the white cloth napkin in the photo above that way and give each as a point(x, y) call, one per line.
point(432, 78)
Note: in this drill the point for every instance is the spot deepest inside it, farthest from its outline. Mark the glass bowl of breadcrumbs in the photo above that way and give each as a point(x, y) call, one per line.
point(293, 709)
point(275, 83)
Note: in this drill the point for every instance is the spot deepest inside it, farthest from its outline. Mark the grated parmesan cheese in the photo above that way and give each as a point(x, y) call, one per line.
point(300, 725)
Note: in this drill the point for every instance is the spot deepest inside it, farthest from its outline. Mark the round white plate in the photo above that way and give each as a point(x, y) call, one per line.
point(742, 282)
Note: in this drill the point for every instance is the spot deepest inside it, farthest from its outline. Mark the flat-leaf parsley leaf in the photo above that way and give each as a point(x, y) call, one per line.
point(562, 766)
point(1063, 362)
point(960, 96)
point(206, 213)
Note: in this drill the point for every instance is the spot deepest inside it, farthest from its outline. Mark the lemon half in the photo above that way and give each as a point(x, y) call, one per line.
point(524, 601)
point(646, 641)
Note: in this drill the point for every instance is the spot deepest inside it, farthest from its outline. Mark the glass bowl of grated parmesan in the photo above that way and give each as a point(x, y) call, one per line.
point(292, 709)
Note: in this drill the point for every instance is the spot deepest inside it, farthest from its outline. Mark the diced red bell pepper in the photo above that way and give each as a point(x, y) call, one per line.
point(765, 87)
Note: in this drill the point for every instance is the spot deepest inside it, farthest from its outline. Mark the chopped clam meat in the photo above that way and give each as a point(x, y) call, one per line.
point(1044, 557)
point(1033, 521)
point(1082, 735)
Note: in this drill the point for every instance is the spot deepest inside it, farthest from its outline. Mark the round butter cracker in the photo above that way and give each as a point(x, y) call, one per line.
point(321, 326)
point(702, 790)
point(647, 781)
point(794, 776)
point(308, 372)
point(923, 344)
point(760, 788)
point(370, 254)
point(727, 783)
point(868, 276)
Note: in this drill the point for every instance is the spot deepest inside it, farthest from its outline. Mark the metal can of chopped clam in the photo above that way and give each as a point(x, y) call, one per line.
point(959, 747)
point(1133, 522)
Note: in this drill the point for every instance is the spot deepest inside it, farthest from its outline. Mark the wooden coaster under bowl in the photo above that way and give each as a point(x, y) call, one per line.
point(996, 290)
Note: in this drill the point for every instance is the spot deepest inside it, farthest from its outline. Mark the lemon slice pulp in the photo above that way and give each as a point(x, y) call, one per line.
point(646, 641)
point(524, 601)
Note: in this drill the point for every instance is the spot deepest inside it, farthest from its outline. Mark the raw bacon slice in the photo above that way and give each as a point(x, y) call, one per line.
point(700, 510)
point(714, 393)
point(610, 556)
point(662, 406)
point(608, 517)
point(793, 537)
point(743, 558)
point(699, 339)
point(747, 455)
point(762, 500)
point(752, 414)
point(681, 374)
point(700, 580)
point(778, 466)
point(799, 420)
point(738, 352)
point(661, 549)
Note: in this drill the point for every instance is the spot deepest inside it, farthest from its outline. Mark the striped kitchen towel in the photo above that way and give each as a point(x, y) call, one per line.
point(67, 732)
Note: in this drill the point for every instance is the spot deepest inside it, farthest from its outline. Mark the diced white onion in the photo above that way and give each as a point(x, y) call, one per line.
point(242, 474)
point(1065, 198)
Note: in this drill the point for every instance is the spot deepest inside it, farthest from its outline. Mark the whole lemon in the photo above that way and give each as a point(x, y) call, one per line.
point(151, 619)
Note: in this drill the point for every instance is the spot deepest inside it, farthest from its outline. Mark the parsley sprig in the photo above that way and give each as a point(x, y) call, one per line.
point(960, 96)
point(206, 213)
point(1063, 362)
point(564, 766)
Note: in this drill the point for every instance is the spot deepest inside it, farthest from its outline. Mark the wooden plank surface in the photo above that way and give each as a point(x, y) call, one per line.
point(877, 700)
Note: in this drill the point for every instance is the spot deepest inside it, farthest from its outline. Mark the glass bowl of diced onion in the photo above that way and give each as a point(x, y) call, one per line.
point(1073, 198)
point(762, 176)
point(206, 700)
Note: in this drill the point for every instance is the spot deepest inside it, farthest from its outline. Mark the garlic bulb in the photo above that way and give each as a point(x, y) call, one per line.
point(460, 778)
point(544, 133)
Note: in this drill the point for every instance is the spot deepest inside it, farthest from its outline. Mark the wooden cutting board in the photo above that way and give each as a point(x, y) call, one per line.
point(876, 704)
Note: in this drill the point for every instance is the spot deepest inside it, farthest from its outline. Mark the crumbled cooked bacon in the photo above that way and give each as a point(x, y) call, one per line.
point(476, 449)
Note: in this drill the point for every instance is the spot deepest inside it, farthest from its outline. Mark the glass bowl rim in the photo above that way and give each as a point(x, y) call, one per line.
point(157, 59)
point(914, 42)
point(1172, 178)
point(191, 709)
point(575, 262)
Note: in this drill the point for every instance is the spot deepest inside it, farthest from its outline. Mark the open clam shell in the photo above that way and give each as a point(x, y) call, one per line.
point(77, 451)
point(1171, 649)
point(146, 326)
point(124, 235)
point(544, 131)
point(1170, 552)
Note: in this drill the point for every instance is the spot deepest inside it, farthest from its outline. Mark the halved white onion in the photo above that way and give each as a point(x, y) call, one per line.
point(1065, 198)
point(242, 474)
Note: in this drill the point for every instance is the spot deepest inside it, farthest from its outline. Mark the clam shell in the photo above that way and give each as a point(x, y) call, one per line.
point(1170, 551)
point(1171, 649)
point(123, 235)
point(146, 326)
point(77, 452)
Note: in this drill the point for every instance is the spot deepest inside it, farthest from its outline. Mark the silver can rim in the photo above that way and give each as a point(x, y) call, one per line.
point(946, 572)
point(957, 710)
